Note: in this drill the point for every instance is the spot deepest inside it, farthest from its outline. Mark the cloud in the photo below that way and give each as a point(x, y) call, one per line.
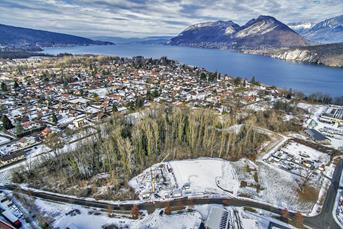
point(153, 17)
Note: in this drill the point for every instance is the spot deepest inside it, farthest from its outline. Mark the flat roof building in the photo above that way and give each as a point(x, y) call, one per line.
point(218, 218)
point(315, 135)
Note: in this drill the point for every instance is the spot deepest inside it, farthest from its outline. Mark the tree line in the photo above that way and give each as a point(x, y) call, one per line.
point(124, 146)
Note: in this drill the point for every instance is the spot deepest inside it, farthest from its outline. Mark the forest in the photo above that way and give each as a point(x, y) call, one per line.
point(128, 144)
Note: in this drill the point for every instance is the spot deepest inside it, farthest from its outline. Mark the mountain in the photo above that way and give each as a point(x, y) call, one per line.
point(144, 40)
point(301, 27)
point(22, 37)
point(267, 32)
point(328, 31)
point(207, 34)
point(263, 32)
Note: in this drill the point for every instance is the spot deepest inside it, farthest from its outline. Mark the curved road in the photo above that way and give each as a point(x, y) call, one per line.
point(323, 220)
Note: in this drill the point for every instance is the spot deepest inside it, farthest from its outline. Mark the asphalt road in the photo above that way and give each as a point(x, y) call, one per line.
point(324, 220)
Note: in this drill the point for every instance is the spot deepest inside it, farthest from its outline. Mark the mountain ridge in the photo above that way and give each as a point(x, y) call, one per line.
point(324, 32)
point(327, 31)
point(20, 37)
point(262, 32)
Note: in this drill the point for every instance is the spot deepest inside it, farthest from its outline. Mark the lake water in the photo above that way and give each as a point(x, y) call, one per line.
point(303, 77)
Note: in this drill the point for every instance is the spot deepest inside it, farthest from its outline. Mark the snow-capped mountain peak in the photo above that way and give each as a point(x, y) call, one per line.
point(261, 27)
point(262, 32)
point(301, 26)
point(223, 24)
point(327, 31)
point(230, 30)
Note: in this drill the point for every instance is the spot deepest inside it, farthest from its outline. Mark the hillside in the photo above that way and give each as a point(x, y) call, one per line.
point(329, 54)
point(212, 34)
point(328, 31)
point(23, 37)
point(324, 32)
point(263, 32)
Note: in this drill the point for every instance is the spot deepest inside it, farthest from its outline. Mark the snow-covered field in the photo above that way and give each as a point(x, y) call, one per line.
point(279, 188)
point(243, 179)
point(66, 215)
point(202, 175)
point(175, 221)
point(186, 177)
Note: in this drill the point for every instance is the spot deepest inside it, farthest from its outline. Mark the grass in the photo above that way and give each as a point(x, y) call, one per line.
point(308, 194)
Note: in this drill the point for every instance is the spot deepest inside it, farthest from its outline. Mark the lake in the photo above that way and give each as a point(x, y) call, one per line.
point(303, 77)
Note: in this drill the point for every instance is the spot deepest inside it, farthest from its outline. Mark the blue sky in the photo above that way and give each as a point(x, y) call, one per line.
point(138, 18)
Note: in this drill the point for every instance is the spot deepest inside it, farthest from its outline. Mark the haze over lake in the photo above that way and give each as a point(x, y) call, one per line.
point(304, 77)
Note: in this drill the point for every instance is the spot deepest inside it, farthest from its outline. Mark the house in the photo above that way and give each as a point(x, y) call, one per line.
point(79, 122)
point(4, 225)
point(316, 136)
point(218, 218)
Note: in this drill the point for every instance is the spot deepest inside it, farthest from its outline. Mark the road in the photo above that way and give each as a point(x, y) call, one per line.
point(325, 218)
point(322, 221)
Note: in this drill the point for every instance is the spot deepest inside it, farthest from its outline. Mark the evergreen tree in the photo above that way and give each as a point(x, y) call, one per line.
point(155, 93)
point(54, 118)
point(16, 85)
point(7, 122)
point(203, 76)
point(3, 86)
point(237, 81)
point(114, 108)
point(19, 128)
point(253, 80)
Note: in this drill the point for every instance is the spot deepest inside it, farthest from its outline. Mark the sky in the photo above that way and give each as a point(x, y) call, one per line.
point(140, 18)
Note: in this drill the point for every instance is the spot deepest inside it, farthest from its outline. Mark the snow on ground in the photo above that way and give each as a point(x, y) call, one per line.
point(4, 140)
point(235, 128)
point(252, 218)
point(268, 184)
point(65, 215)
point(174, 221)
point(101, 92)
point(37, 155)
point(206, 176)
point(279, 188)
point(311, 108)
point(331, 131)
point(201, 175)
point(37, 150)
point(298, 150)
point(286, 166)
point(186, 178)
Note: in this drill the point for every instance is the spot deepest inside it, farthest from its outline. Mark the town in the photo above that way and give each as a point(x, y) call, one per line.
point(262, 156)
point(64, 101)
